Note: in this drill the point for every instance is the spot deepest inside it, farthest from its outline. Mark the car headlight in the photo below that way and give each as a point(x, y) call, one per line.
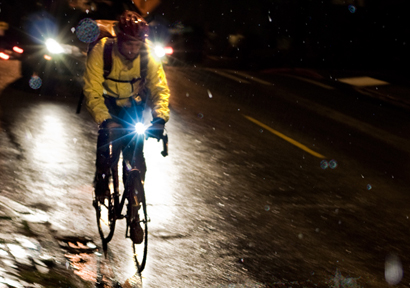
point(53, 46)
point(159, 51)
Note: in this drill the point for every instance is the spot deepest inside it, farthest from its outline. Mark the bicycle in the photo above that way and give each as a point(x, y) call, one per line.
point(109, 208)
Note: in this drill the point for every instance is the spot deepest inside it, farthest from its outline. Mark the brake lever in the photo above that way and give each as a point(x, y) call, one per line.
point(165, 145)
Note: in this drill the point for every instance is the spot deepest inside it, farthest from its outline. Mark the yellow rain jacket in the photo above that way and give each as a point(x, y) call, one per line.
point(96, 87)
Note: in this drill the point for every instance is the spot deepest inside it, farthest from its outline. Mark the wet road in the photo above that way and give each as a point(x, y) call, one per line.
point(235, 203)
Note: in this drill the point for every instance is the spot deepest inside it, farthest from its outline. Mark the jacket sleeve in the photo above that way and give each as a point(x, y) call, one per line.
point(93, 84)
point(157, 84)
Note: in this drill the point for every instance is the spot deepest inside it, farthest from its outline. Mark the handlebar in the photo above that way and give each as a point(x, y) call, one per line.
point(165, 145)
point(164, 139)
point(127, 130)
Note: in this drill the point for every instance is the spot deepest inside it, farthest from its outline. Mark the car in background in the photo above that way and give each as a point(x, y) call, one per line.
point(41, 35)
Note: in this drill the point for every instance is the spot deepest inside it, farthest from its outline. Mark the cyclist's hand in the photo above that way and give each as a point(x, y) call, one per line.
point(109, 124)
point(156, 130)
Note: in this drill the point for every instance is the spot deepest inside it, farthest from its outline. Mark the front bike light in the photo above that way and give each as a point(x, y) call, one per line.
point(140, 128)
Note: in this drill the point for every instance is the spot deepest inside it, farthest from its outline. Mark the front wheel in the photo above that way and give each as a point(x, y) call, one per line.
point(137, 199)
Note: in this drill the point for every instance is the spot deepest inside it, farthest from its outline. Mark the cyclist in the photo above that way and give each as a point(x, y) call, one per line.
point(118, 101)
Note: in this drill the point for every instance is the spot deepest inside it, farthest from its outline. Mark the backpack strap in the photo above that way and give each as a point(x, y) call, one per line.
point(144, 61)
point(108, 56)
point(144, 67)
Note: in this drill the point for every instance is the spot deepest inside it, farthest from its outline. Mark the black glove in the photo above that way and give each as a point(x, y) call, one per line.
point(156, 130)
point(109, 124)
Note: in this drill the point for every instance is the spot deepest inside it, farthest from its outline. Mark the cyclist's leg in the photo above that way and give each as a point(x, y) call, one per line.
point(105, 160)
point(107, 156)
point(133, 154)
point(133, 151)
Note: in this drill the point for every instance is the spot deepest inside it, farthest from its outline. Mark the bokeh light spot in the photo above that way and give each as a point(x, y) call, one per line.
point(332, 164)
point(35, 82)
point(87, 30)
point(324, 164)
point(393, 270)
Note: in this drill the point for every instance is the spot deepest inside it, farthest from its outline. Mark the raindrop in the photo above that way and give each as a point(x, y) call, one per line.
point(75, 140)
point(267, 208)
point(187, 94)
point(91, 245)
point(200, 115)
point(209, 94)
point(300, 236)
point(35, 82)
point(332, 164)
point(352, 8)
point(261, 131)
point(324, 164)
point(87, 30)
point(270, 19)
point(72, 29)
point(369, 187)
point(393, 272)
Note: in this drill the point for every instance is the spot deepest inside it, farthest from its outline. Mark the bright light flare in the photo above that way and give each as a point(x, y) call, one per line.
point(53, 46)
point(140, 128)
point(159, 51)
point(4, 56)
point(47, 57)
point(18, 50)
point(168, 50)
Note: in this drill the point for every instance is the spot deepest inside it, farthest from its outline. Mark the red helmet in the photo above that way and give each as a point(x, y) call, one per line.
point(132, 24)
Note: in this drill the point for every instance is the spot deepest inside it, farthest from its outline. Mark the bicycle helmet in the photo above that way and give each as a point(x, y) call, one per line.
point(132, 25)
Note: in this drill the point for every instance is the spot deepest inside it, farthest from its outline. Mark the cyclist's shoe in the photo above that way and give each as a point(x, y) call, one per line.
point(136, 232)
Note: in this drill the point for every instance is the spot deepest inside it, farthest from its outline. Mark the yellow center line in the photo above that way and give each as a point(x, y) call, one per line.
point(284, 137)
point(240, 80)
point(317, 83)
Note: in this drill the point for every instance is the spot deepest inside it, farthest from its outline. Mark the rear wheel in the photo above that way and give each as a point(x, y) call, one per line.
point(140, 250)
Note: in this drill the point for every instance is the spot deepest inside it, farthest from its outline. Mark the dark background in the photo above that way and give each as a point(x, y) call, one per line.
point(360, 34)
point(373, 34)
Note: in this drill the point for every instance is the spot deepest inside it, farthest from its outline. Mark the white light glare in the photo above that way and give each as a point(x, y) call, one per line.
point(53, 46)
point(140, 128)
point(159, 51)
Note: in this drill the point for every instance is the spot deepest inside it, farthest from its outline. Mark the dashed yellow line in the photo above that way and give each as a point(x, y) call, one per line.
point(284, 137)
point(317, 83)
point(240, 80)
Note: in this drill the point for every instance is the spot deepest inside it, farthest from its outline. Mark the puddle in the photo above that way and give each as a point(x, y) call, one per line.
point(87, 261)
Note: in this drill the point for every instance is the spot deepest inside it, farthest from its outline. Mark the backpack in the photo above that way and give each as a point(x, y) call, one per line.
point(107, 30)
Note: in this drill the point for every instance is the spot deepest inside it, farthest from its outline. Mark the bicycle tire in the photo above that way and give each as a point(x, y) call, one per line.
point(106, 218)
point(140, 251)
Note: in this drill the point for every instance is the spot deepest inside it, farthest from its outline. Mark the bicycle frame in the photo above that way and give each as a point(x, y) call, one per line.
point(118, 141)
